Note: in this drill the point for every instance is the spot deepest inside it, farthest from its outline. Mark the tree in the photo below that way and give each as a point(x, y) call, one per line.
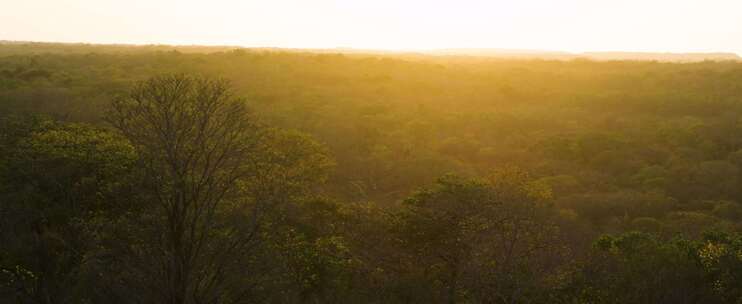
point(57, 180)
point(482, 239)
point(638, 267)
point(196, 143)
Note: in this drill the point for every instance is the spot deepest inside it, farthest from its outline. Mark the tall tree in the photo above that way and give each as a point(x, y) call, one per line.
point(196, 142)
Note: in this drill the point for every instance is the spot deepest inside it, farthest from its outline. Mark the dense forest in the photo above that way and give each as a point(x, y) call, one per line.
point(220, 175)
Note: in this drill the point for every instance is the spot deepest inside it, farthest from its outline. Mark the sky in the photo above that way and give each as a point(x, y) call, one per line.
point(566, 25)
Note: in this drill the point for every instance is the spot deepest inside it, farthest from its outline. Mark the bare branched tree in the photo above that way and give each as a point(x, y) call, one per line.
point(195, 141)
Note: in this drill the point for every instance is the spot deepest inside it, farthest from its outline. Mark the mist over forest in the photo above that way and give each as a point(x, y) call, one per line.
point(195, 174)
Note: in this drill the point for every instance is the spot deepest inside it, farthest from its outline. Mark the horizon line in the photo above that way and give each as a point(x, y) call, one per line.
point(422, 50)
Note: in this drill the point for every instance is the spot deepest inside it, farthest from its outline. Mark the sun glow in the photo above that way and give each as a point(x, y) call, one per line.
point(572, 25)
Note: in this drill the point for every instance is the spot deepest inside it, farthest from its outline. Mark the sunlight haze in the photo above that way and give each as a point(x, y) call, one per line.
point(572, 25)
point(371, 151)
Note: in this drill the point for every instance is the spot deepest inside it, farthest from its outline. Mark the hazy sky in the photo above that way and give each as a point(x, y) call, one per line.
point(569, 25)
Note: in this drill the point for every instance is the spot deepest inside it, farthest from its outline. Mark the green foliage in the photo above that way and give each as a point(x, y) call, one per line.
point(56, 179)
point(482, 240)
point(677, 270)
point(318, 167)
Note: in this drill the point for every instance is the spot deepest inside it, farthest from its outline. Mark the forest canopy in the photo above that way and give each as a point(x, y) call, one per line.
point(153, 175)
